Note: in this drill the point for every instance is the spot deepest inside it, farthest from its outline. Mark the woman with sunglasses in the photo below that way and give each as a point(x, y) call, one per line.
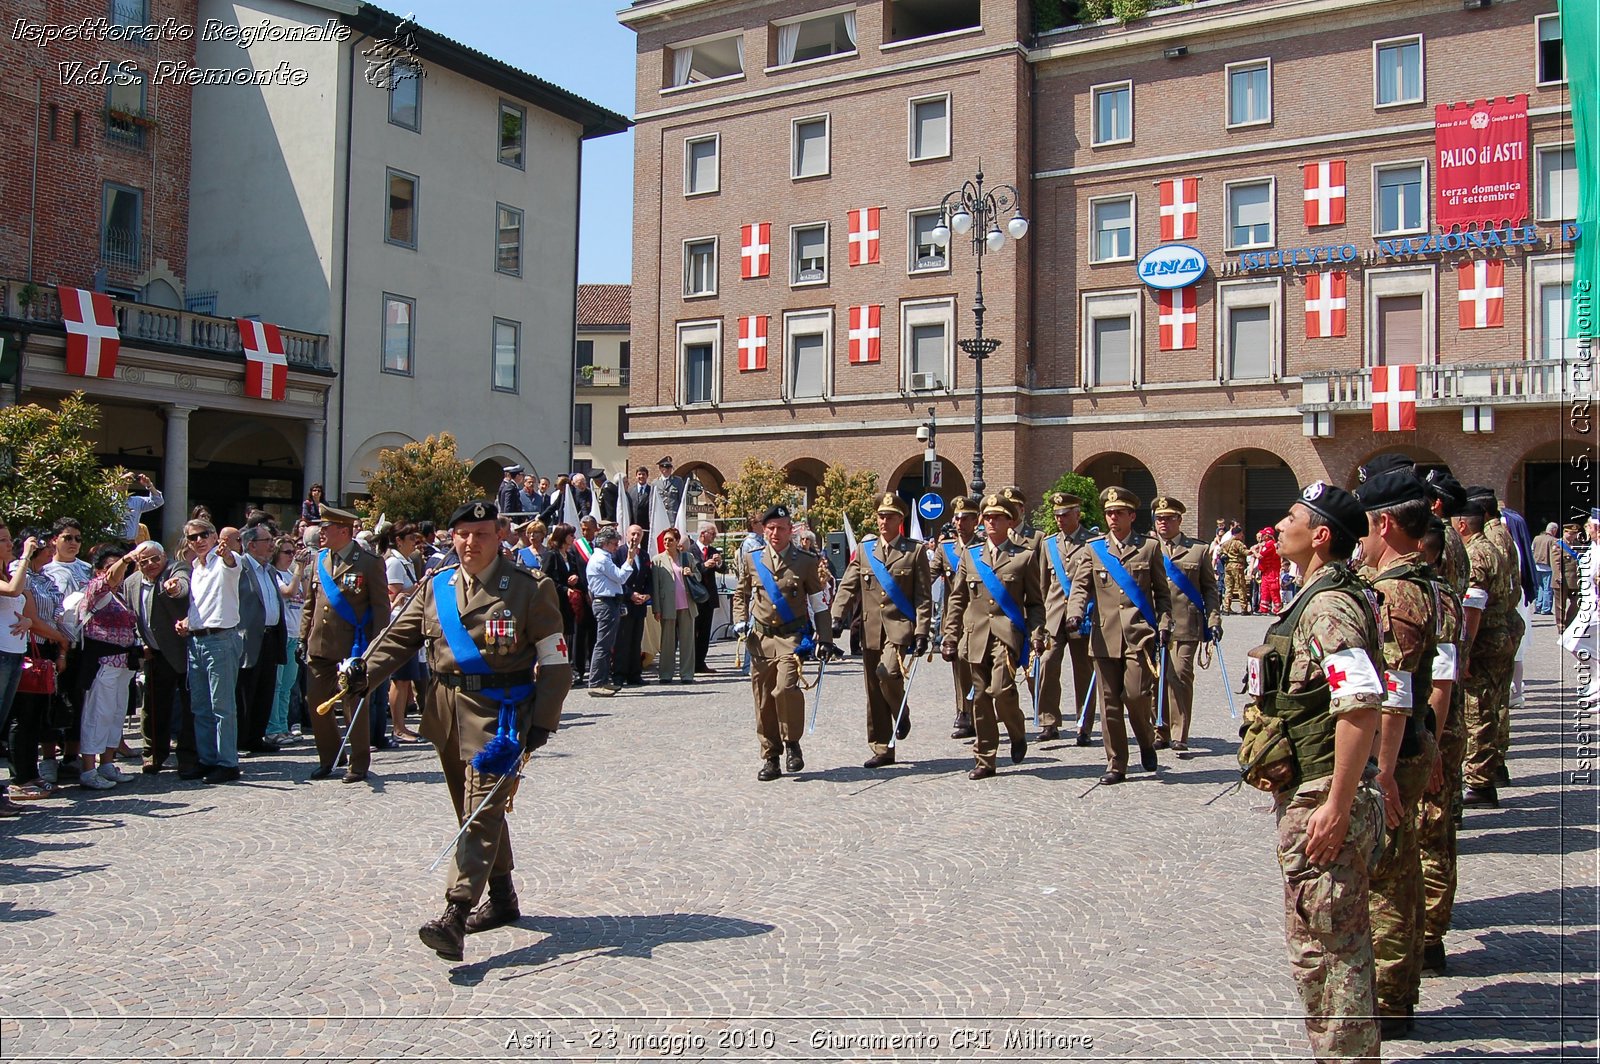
point(30, 727)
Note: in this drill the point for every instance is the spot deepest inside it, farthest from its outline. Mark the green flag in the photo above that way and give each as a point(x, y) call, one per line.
point(1580, 39)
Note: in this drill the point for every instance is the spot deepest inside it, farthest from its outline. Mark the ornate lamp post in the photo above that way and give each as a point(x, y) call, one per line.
point(972, 208)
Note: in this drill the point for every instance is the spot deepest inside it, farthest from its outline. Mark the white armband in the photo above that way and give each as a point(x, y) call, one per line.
point(1445, 662)
point(552, 650)
point(1397, 689)
point(815, 604)
point(1476, 598)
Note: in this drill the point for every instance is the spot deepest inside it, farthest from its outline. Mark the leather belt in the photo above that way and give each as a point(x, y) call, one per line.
point(464, 682)
point(761, 628)
point(197, 632)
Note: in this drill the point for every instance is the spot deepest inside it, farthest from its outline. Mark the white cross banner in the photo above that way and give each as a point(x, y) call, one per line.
point(864, 235)
point(1394, 398)
point(1327, 307)
point(866, 334)
point(1325, 192)
point(1176, 315)
point(92, 337)
point(755, 250)
point(752, 343)
point(1483, 294)
point(1180, 208)
point(266, 370)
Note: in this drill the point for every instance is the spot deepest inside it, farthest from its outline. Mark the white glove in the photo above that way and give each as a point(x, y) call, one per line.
point(741, 629)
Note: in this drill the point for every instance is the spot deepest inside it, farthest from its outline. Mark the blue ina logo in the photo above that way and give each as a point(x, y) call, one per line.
point(1172, 266)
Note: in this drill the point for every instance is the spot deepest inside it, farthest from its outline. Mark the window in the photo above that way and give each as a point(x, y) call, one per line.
point(809, 264)
point(815, 37)
point(1557, 169)
point(809, 147)
point(701, 158)
point(1399, 325)
point(909, 20)
point(1250, 213)
point(125, 107)
point(1397, 199)
point(1113, 113)
point(1552, 62)
point(513, 119)
point(401, 219)
point(583, 354)
point(1397, 71)
point(122, 209)
point(1111, 339)
point(930, 128)
point(1250, 93)
point(698, 344)
point(625, 360)
point(927, 327)
point(700, 267)
point(582, 424)
point(130, 13)
point(507, 353)
point(926, 255)
point(698, 62)
point(1551, 278)
point(1248, 331)
point(508, 240)
point(398, 312)
point(405, 95)
point(807, 339)
point(1111, 229)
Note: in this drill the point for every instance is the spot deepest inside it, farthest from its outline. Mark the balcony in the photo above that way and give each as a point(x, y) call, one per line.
point(601, 377)
point(143, 323)
point(1524, 382)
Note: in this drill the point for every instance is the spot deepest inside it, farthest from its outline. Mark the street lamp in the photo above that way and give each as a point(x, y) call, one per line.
point(973, 209)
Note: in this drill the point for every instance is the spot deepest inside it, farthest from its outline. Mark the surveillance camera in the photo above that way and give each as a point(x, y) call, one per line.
point(922, 433)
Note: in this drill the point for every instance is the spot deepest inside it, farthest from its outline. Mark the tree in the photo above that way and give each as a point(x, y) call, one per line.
point(48, 469)
point(844, 492)
point(1044, 518)
point(760, 484)
point(420, 481)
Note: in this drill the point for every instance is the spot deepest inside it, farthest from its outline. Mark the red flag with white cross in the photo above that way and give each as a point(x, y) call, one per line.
point(752, 342)
point(1325, 192)
point(1482, 284)
point(266, 370)
point(755, 250)
point(1176, 317)
point(92, 337)
point(1394, 398)
point(1327, 306)
point(866, 334)
point(864, 235)
point(1180, 208)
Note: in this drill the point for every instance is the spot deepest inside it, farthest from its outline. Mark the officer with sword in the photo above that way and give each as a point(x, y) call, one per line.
point(889, 577)
point(1196, 620)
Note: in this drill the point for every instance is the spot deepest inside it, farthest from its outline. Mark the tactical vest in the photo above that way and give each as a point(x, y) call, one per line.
point(1420, 575)
point(1289, 739)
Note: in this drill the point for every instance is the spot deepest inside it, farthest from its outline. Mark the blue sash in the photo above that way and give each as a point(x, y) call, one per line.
point(770, 582)
point(1053, 549)
point(886, 578)
point(1008, 605)
point(1570, 552)
point(950, 556)
point(496, 758)
point(1190, 592)
point(341, 606)
point(1125, 581)
point(528, 557)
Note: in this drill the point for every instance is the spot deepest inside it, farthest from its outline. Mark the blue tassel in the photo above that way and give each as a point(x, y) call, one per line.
point(500, 757)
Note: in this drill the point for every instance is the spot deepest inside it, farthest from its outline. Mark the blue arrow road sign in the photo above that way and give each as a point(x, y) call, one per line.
point(931, 506)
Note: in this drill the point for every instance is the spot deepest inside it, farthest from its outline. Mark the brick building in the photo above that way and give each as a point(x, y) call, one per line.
point(1270, 129)
point(602, 371)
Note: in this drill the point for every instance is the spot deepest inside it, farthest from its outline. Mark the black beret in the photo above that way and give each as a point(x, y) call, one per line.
point(1385, 463)
point(775, 513)
point(1447, 489)
point(1471, 508)
point(1484, 497)
point(473, 511)
point(1390, 489)
point(1340, 508)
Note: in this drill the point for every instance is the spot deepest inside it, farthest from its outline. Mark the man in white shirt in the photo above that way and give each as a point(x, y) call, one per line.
point(265, 640)
point(607, 600)
point(212, 628)
point(139, 505)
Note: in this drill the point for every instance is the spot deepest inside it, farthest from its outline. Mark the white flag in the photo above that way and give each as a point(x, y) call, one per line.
point(594, 504)
point(916, 525)
point(624, 507)
point(850, 535)
point(681, 522)
point(569, 507)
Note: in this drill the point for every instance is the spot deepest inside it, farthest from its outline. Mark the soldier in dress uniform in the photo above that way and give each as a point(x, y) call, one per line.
point(1315, 695)
point(491, 628)
point(1493, 628)
point(668, 489)
point(1441, 797)
point(1397, 516)
point(1025, 533)
point(1122, 573)
point(1196, 617)
point(778, 602)
point(946, 560)
point(994, 617)
point(889, 576)
point(1060, 554)
point(347, 605)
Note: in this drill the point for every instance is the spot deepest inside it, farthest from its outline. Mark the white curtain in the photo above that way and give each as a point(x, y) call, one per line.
point(682, 59)
point(850, 27)
point(788, 40)
point(738, 44)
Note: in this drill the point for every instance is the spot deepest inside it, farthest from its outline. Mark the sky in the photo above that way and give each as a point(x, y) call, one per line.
point(579, 46)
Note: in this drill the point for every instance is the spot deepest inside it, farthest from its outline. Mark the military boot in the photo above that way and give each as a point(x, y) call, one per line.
point(446, 934)
point(962, 729)
point(1433, 962)
point(795, 761)
point(498, 909)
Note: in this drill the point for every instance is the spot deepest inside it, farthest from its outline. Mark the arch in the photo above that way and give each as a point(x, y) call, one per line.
point(806, 474)
point(365, 457)
point(1425, 458)
point(1540, 485)
point(907, 480)
point(1123, 470)
point(487, 475)
point(709, 476)
point(161, 293)
point(246, 441)
point(1249, 485)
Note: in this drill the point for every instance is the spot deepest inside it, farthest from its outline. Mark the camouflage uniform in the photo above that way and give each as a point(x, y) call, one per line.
point(1454, 565)
point(1493, 653)
point(1233, 574)
point(1327, 926)
point(1496, 532)
point(1409, 624)
point(1436, 814)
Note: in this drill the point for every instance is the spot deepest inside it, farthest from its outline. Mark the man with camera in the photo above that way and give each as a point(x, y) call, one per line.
point(139, 505)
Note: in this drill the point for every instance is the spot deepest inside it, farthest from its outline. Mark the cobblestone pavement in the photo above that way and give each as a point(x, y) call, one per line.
point(675, 907)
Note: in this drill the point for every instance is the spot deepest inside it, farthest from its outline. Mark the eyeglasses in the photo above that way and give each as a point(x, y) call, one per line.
point(194, 537)
point(71, 539)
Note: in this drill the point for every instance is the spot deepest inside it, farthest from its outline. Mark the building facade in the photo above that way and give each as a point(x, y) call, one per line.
point(1290, 145)
point(602, 371)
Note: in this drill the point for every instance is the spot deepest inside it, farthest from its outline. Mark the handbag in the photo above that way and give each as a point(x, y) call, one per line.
point(697, 587)
point(38, 673)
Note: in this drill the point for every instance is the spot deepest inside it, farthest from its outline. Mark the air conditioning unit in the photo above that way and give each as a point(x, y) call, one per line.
point(925, 382)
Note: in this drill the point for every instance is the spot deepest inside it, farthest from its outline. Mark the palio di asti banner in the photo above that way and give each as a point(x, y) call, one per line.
point(1481, 159)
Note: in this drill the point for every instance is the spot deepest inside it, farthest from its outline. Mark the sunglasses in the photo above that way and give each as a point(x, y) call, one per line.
point(194, 537)
point(71, 539)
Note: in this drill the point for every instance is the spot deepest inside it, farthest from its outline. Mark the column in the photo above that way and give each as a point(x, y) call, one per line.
point(175, 479)
point(315, 444)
